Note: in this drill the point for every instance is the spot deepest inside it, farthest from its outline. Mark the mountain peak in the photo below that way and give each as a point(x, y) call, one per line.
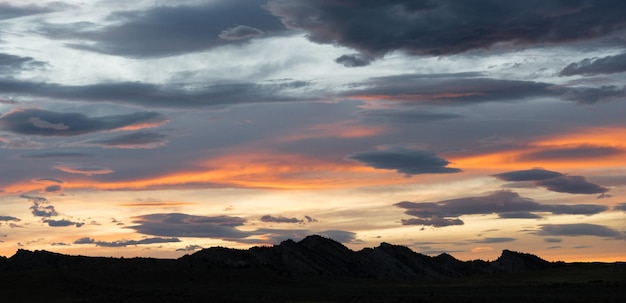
point(512, 261)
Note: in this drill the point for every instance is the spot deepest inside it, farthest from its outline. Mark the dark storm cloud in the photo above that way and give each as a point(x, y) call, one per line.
point(448, 89)
point(404, 160)
point(183, 225)
point(151, 95)
point(528, 175)
point(8, 11)
point(171, 30)
point(9, 218)
point(124, 243)
point(580, 152)
point(594, 66)
point(54, 154)
point(554, 181)
point(47, 123)
point(579, 229)
point(441, 27)
point(505, 204)
point(62, 223)
point(620, 206)
point(405, 115)
point(137, 140)
point(592, 95)
point(572, 185)
point(280, 219)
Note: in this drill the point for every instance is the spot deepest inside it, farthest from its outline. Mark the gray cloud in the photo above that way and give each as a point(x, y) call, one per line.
point(620, 206)
point(9, 218)
point(579, 229)
point(137, 140)
point(405, 115)
point(152, 95)
point(339, 235)
point(404, 160)
point(528, 175)
point(280, 219)
point(124, 243)
point(505, 204)
point(87, 170)
point(240, 32)
point(591, 95)
point(555, 181)
point(168, 30)
point(190, 248)
point(53, 188)
point(594, 66)
point(354, 60)
point(183, 225)
point(552, 240)
point(8, 11)
point(62, 223)
point(50, 180)
point(572, 185)
point(495, 240)
point(47, 123)
point(54, 154)
point(580, 152)
point(449, 89)
point(10, 64)
point(441, 27)
point(39, 209)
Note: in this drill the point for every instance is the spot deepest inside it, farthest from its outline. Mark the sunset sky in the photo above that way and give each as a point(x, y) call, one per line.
point(158, 128)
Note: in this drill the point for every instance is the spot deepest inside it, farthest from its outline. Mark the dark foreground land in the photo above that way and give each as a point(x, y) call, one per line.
point(277, 275)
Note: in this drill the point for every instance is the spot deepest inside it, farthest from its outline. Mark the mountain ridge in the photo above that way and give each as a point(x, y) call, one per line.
point(313, 255)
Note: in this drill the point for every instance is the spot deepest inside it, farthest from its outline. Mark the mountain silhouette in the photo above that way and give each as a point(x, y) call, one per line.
point(313, 255)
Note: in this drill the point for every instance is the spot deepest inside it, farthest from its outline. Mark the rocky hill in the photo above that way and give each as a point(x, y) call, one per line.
point(314, 255)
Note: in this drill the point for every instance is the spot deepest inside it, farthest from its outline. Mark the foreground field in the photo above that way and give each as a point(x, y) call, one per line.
point(576, 282)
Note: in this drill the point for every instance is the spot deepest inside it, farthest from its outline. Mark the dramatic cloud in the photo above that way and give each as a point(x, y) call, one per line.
point(505, 204)
point(554, 181)
point(591, 95)
point(47, 123)
point(124, 243)
point(580, 152)
point(442, 27)
point(280, 219)
point(572, 185)
point(183, 225)
point(167, 30)
point(404, 160)
point(528, 175)
point(62, 223)
point(579, 229)
point(151, 95)
point(448, 89)
point(594, 66)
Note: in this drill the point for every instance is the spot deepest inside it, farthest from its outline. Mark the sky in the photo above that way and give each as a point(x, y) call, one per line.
point(158, 128)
